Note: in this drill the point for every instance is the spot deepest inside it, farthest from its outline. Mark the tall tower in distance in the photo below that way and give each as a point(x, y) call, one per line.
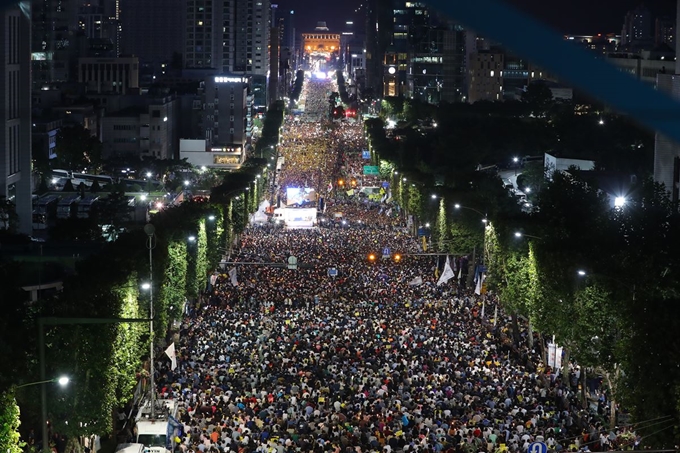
point(15, 114)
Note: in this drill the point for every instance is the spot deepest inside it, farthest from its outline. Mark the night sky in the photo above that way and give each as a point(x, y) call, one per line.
point(567, 16)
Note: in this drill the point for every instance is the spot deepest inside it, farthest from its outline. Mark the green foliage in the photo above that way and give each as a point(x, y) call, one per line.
point(10, 439)
point(172, 293)
point(129, 347)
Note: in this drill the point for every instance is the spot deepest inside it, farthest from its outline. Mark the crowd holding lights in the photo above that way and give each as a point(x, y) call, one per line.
point(376, 357)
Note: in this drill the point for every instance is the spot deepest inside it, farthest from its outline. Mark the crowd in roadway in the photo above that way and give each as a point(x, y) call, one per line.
point(378, 358)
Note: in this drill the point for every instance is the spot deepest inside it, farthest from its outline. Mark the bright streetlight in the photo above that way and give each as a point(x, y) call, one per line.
point(148, 174)
point(146, 286)
point(434, 196)
point(186, 183)
point(519, 234)
point(192, 238)
point(211, 217)
point(515, 159)
point(582, 273)
point(63, 381)
point(619, 202)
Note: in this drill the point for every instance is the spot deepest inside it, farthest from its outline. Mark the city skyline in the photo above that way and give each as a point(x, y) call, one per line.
point(576, 17)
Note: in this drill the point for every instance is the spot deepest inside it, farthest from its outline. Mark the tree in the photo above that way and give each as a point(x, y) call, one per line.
point(10, 439)
point(539, 97)
point(68, 186)
point(78, 149)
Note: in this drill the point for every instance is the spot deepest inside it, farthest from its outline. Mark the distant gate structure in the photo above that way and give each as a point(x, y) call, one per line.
point(321, 41)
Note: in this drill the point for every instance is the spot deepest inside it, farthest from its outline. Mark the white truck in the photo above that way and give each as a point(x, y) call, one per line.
point(153, 432)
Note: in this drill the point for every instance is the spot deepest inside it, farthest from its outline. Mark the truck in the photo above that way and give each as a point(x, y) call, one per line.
point(153, 432)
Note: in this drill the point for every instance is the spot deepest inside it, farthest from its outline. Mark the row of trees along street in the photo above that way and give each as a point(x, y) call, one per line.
point(604, 281)
point(105, 362)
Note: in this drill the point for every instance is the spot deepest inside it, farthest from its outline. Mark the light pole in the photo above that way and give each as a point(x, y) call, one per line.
point(485, 221)
point(150, 231)
point(63, 381)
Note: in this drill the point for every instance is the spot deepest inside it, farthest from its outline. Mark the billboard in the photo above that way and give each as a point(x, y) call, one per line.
point(300, 196)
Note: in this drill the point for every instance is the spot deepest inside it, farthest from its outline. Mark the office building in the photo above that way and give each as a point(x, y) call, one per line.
point(486, 76)
point(109, 75)
point(153, 30)
point(15, 115)
point(148, 130)
point(227, 124)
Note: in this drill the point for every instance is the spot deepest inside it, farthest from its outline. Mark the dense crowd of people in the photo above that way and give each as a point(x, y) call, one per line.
point(376, 358)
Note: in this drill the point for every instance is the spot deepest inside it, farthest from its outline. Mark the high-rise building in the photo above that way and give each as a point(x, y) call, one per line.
point(153, 30)
point(637, 27)
point(664, 31)
point(54, 43)
point(15, 114)
point(232, 37)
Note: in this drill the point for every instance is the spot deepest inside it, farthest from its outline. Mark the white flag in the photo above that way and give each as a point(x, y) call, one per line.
point(447, 274)
point(170, 352)
point(232, 276)
point(480, 282)
point(416, 281)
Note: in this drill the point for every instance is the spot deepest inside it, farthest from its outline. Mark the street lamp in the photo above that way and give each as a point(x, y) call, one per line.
point(519, 234)
point(211, 217)
point(148, 174)
point(150, 231)
point(192, 238)
point(146, 286)
point(619, 202)
point(186, 183)
point(62, 381)
point(434, 196)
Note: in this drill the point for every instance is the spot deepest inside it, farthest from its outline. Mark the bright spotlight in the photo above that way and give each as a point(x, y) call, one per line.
point(192, 238)
point(518, 234)
point(619, 202)
point(581, 273)
point(148, 174)
point(63, 381)
point(146, 286)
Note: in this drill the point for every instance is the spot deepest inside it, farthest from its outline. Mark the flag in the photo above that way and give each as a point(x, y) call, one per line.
point(170, 352)
point(416, 281)
point(232, 276)
point(480, 282)
point(447, 274)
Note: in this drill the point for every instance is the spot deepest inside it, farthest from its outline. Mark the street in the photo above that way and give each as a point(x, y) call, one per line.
point(386, 353)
